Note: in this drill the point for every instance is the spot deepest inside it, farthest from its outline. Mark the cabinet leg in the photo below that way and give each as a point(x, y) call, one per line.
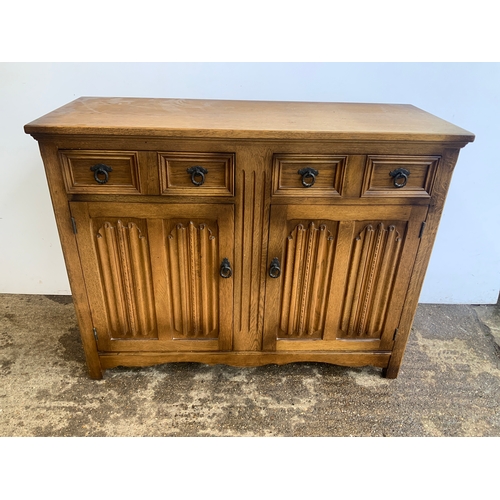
point(95, 371)
point(390, 373)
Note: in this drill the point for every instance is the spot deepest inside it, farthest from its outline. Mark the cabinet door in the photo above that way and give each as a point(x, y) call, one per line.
point(340, 275)
point(153, 274)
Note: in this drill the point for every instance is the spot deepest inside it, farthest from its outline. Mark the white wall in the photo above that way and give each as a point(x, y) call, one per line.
point(465, 265)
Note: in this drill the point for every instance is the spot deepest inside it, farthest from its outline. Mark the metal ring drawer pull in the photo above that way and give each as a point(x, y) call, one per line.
point(275, 268)
point(197, 174)
point(101, 170)
point(308, 176)
point(400, 177)
point(225, 269)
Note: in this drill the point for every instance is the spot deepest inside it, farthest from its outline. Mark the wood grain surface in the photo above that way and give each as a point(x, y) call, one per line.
point(146, 250)
point(246, 119)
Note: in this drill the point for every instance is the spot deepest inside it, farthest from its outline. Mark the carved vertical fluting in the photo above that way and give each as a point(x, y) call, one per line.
point(213, 271)
point(242, 226)
point(371, 273)
point(289, 268)
point(324, 262)
point(257, 304)
point(173, 273)
point(251, 228)
point(127, 279)
point(183, 292)
point(307, 275)
point(127, 275)
point(139, 278)
point(381, 292)
point(371, 276)
point(316, 283)
point(358, 274)
point(204, 280)
point(136, 277)
point(193, 276)
point(205, 284)
point(294, 295)
point(111, 277)
point(213, 278)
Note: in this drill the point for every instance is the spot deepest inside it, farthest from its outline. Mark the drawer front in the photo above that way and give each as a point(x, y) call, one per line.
point(399, 176)
point(308, 175)
point(196, 174)
point(101, 172)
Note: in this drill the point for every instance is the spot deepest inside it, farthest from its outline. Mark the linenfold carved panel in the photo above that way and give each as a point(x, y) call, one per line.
point(125, 267)
point(372, 270)
point(192, 271)
point(308, 269)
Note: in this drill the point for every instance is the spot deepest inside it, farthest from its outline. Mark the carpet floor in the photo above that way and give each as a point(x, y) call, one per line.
point(449, 385)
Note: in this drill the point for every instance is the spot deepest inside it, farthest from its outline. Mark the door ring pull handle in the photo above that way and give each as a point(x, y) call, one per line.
point(275, 268)
point(225, 269)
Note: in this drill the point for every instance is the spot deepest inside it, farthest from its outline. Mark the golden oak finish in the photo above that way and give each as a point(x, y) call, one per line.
point(379, 359)
point(376, 182)
point(245, 232)
point(345, 271)
point(215, 178)
point(123, 177)
point(327, 182)
point(164, 261)
point(199, 118)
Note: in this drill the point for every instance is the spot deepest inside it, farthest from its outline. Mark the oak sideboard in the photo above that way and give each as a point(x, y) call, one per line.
point(245, 232)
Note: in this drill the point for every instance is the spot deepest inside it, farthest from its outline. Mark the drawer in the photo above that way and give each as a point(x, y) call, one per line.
point(199, 174)
point(399, 176)
point(308, 175)
point(100, 172)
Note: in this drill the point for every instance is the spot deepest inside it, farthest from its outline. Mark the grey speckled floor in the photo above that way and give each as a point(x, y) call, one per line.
point(449, 385)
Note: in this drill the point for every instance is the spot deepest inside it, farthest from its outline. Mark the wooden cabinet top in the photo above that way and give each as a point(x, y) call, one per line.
point(147, 117)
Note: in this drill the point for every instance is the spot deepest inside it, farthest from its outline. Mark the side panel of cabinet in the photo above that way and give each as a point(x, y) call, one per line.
point(152, 274)
point(344, 275)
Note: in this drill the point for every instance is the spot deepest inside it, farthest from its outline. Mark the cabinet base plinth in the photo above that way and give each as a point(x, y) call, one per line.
point(379, 359)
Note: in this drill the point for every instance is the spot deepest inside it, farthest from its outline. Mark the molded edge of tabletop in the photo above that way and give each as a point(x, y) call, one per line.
point(237, 119)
